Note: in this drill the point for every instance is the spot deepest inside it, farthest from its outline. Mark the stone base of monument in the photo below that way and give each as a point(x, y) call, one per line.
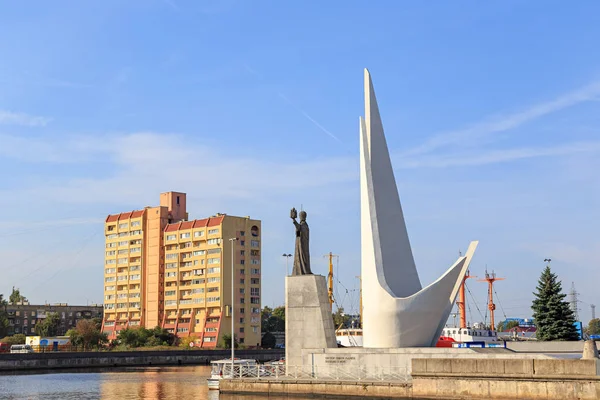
point(308, 322)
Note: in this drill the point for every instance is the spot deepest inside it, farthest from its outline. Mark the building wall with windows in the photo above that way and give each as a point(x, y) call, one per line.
point(22, 318)
point(133, 264)
point(198, 281)
point(163, 270)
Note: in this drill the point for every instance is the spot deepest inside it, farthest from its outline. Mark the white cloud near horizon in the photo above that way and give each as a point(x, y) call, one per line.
point(479, 157)
point(589, 92)
point(15, 118)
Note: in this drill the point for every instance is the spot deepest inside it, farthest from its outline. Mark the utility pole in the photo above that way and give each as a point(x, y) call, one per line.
point(574, 301)
point(461, 303)
point(593, 307)
point(490, 279)
point(330, 279)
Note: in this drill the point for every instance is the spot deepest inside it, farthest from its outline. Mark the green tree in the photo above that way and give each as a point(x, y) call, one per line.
point(504, 326)
point(15, 296)
point(87, 334)
point(268, 341)
point(273, 320)
point(553, 316)
point(3, 316)
point(340, 319)
point(226, 342)
point(593, 327)
point(19, 338)
point(48, 327)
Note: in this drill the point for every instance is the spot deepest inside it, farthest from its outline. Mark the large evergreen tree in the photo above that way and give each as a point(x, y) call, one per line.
point(553, 316)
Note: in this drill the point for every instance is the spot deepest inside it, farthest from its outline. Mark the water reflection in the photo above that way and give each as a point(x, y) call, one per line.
point(156, 383)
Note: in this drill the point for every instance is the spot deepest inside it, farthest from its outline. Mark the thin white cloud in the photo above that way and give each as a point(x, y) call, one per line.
point(308, 117)
point(138, 172)
point(172, 4)
point(12, 225)
point(590, 92)
point(14, 118)
point(497, 156)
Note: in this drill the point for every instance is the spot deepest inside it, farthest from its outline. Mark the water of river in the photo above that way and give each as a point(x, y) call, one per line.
point(160, 383)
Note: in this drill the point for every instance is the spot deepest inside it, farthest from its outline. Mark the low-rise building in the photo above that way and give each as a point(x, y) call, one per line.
point(22, 317)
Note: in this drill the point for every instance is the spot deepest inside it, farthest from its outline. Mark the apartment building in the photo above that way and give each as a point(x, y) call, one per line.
point(198, 281)
point(22, 317)
point(163, 270)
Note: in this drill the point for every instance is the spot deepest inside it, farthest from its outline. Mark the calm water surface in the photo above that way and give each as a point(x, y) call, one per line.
point(163, 383)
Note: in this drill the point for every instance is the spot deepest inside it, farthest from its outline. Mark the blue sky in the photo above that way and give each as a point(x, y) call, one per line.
point(490, 111)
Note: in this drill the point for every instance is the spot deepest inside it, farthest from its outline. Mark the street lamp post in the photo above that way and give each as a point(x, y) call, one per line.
point(232, 241)
point(287, 263)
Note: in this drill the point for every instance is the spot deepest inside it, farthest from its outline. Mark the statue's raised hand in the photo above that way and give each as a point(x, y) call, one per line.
point(293, 213)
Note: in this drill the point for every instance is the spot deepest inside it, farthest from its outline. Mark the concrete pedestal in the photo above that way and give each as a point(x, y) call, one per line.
point(308, 322)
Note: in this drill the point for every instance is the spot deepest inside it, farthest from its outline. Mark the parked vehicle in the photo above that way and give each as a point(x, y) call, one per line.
point(21, 348)
point(4, 347)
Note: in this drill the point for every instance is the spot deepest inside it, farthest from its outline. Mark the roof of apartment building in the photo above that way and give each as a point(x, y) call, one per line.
point(125, 215)
point(197, 223)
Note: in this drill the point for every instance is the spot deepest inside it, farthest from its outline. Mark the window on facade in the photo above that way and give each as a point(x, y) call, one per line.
point(242, 281)
point(243, 262)
point(254, 300)
point(171, 237)
point(241, 329)
point(212, 241)
point(214, 270)
point(254, 291)
point(198, 233)
point(242, 242)
point(254, 281)
point(199, 252)
point(255, 271)
point(242, 310)
point(123, 226)
point(135, 223)
point(242, 271)
point(184, 235)
point(254, 243)
point(255, 329)
point(242, 290)
point(242, 320)
point(255, 262)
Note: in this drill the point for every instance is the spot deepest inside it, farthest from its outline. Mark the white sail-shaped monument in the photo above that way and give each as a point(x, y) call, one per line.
point(397, 310)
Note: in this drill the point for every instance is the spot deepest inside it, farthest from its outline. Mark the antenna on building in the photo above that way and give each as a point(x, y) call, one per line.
point(593, 307)
point(574, 301)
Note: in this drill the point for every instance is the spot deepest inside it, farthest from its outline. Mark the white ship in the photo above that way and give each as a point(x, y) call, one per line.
point(349, 337)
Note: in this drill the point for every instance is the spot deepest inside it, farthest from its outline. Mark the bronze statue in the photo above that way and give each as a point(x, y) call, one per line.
point(301, 253)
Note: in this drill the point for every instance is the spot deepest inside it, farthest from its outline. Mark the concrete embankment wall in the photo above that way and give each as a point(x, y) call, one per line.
point(316, 388)
point(33, 361)
point(456, 378)
point(560, 379)
point(546, 347)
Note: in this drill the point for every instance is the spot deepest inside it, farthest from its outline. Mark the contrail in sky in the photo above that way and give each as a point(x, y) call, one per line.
point(301, 111)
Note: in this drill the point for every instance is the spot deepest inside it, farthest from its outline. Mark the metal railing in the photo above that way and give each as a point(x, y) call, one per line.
point(353, 373)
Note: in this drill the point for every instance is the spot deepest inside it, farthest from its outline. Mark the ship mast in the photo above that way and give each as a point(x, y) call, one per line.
point(490, 279)
point(461, 303)
point(330, 280)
